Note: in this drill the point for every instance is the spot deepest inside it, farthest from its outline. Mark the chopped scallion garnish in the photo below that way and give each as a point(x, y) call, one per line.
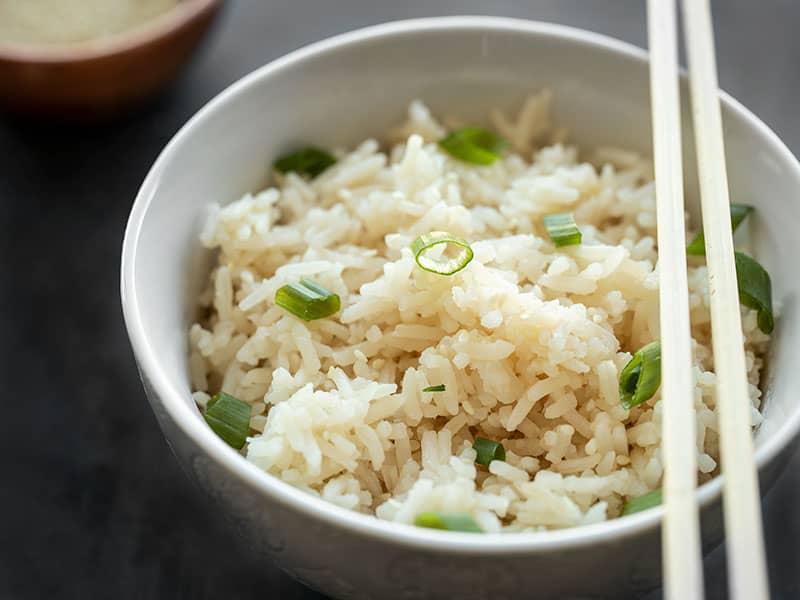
point(641, 503)
point(308, 161)
point(448, 521)
point(488, 451)
point(739, 212)
point(229, 417)
point(562, 229)
point(474, 145)
point(435, 388)
point(640, 378)
point(426, 245)
point(755, 289)
point(755, 286)
point(307, 300)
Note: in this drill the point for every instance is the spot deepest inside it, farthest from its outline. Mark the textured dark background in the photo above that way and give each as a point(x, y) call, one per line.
point(92, 504)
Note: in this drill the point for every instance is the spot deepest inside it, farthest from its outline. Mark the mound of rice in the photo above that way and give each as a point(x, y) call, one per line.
point(528, 339)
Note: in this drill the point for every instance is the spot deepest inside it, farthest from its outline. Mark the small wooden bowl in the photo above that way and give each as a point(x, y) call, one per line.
point(103, 77)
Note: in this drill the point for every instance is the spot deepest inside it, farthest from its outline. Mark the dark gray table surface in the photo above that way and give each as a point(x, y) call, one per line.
point(92, 504)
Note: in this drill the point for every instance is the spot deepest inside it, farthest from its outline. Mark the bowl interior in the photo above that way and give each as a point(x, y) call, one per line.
point(344, 90)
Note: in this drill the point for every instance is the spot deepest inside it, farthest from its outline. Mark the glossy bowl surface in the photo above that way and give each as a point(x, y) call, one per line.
point(103, 77)
point(354, 86)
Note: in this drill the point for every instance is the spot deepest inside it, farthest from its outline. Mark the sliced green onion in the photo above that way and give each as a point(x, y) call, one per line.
point(488, 451)
point(641, 503)
point(755, 289)
point(229, 417)
point(448, 521)
point(739, 212)
point(474, 145)
point(640, 378)
point(435, 388)
point(422, 248)
point(308, 161)
point(307, 300)
point(755, 286)
point(562, 229)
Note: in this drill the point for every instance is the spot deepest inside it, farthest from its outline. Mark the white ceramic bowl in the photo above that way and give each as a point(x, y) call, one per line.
point(341, 91)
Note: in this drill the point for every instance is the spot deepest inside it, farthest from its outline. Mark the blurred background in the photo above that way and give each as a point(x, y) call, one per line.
point(93, 504)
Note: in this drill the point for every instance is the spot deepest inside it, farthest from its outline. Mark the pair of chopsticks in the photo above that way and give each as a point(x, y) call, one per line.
point(683, 569)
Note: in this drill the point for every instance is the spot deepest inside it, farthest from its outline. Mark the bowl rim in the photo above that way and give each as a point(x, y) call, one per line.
point(176, 407)
point(160, 26)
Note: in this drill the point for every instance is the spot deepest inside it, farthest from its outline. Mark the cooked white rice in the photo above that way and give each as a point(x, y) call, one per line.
point(528, 339)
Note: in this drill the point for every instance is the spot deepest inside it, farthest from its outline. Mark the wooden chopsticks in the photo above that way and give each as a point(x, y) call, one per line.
point(744, 538)
point(683, 566)
point(681, 539)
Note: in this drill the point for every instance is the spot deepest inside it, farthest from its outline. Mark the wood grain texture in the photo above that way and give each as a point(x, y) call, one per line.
point(682, 572)
point(747, 578)
point(93, 504)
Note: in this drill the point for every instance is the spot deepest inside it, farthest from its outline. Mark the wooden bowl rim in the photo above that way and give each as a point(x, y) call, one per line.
point(164, 25)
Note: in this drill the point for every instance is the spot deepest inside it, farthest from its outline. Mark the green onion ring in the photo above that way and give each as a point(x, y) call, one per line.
point(754, 283)
point(229, 417)
point(308, 161)
point(474, 145)
point(307, 300)
point(435, 388)
point(641, 503)
point(562, 229)
point(449, 266)
point(739, 212)
point(640, 378)
point(488, 450)
point(755, 289)
point(448, 521)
